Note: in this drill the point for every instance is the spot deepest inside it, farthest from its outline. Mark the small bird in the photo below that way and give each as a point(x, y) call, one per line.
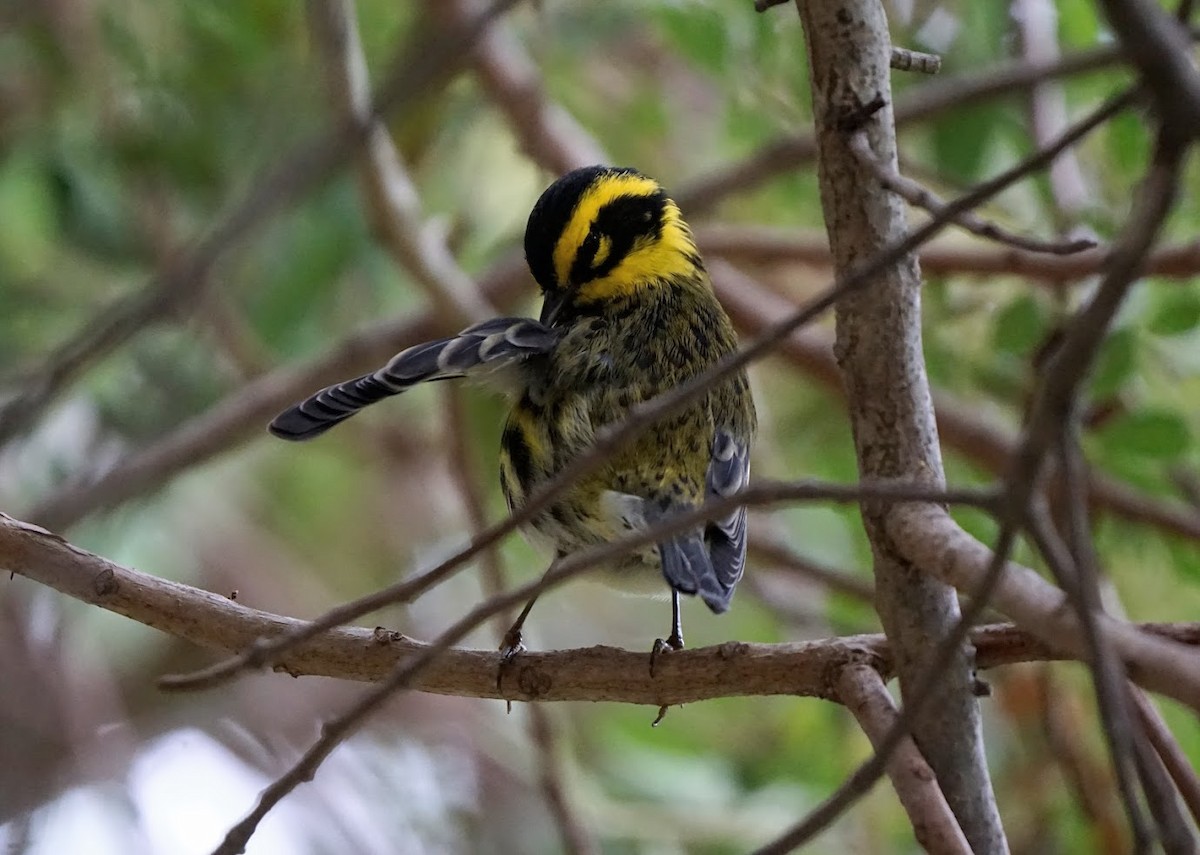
point(628, 313)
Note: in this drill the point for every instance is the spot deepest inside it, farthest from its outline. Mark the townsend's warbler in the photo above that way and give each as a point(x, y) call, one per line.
point(628, 313)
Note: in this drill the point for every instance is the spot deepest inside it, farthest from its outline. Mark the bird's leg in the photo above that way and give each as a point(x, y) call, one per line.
point(513, 642)
point(512, 645)
point(674, 641)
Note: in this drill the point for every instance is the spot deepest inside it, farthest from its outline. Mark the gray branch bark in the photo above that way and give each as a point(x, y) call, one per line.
point(878, 349)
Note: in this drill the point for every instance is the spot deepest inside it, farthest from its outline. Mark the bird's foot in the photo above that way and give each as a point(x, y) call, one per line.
point(511, 647)
point(672, 642)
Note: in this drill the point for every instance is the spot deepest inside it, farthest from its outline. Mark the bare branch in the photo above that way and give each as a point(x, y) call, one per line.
point(904, 59)
point(1160, 48)
point(937, 545)
point(541, 728)
point(215, 622)
point(960, 426)
point(1108, 678)
point(767, 549)
point(861, 690)
point(1037, 24)
point(612, 439)
point(922, 197)
point(1168, 748)
point(768, 245)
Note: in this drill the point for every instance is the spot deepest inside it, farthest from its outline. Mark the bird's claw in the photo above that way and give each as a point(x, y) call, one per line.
point(661, 645)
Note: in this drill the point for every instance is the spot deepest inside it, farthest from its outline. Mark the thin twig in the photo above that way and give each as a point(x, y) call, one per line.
point(1178, 766)
point(767, 549)
point(1159, 45)
point(864, 777)
point(1037, 25)
point(340, 728)
point(1108, 678)
point(242, 414)
point(922, 197)
point(766, 245)
point(926, 102)
point(1053, 402)
point(960, 426)
point(861, 690)
point(905, 59)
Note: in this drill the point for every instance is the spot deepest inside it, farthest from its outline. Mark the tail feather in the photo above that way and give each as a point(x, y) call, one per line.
point(489, 345)
point(687, 565)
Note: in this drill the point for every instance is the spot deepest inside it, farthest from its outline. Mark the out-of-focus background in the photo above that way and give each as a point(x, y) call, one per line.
point(129, 130)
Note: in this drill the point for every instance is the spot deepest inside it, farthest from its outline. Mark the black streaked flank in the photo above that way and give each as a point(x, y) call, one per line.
point(516, 446)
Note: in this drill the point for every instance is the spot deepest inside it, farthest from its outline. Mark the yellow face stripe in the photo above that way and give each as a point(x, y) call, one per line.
point(605, 190)
point(648, 261)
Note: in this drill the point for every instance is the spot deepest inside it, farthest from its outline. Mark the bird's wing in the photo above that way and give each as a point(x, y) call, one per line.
point(728, 473)
point(483, 348)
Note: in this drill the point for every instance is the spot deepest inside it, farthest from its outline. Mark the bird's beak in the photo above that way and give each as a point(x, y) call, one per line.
point(552, 305)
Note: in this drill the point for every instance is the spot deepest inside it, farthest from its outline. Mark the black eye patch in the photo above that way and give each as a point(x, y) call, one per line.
point(623, 222)
point(632, 216)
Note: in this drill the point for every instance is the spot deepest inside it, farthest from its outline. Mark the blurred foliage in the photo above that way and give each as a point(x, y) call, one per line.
point(127, 128)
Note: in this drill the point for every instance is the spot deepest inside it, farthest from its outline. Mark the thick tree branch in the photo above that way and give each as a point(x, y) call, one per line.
point(861, 690)
point(937, 545)
point(878, 349)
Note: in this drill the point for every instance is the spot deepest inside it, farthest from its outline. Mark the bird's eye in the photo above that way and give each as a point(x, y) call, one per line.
point(590, 243)
point(647, 217)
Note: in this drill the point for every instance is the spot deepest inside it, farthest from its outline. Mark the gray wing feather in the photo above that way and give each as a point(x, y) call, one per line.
point(480, 348)
point(728, 473)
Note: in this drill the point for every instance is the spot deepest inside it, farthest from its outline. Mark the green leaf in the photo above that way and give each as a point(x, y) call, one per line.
point(1115, 363)
point(1020, 326)
point(1128, 140)
point(1147, 433)
point(1178, 313)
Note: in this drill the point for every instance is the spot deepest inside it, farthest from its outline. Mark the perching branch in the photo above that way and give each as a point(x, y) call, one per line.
point(218, 623)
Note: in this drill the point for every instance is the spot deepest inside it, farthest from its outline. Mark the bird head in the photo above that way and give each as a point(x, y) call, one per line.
point(600, 234)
